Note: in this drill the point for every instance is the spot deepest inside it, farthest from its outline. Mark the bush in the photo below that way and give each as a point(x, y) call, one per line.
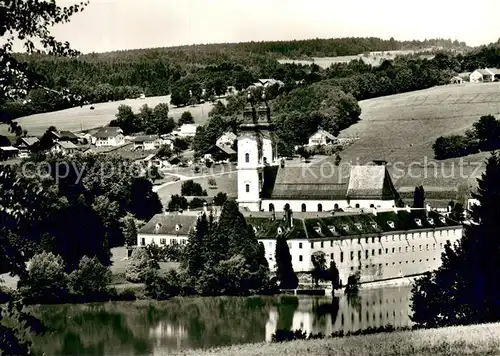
point(177, 203)
point(161, 285)
point(220, 199)
point(91, 278)
point(197, 203)
point(139, 262)
point(191, 189)
point(45, 280)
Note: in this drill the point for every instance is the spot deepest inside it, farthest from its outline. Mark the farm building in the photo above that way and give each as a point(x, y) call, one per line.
point(485, 75)
point(186, 130)
point(64, 136)
point(220, 153)
point(109, 136)
point(26, 145)
point(227, 139)
point(147, 142)
point(7, 152)
point(64, 147)
point(320, 138)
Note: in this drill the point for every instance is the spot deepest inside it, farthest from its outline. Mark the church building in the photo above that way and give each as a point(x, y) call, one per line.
point(266, 183)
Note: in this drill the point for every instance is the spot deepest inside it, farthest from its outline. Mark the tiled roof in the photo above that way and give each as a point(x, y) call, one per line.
point(329, 182)
point(341, 226)
point(107, 132)
point(67, 145)
point(29, 141)
point(145, 138)
point(370, 182)
point(167, 224)
point(324, 133)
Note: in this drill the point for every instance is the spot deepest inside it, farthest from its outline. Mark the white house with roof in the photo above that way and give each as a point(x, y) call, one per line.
point(147, 142)
point(64, 147)
point(26, 145)
point(109, 136)
point(226, 139)
point(321, 138)
point(186, 130)
point(485, 75)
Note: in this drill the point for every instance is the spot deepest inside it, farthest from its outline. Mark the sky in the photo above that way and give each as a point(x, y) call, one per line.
point(107, 25)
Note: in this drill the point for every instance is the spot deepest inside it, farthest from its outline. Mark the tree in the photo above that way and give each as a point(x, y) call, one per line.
point(138, 264)
point(220, 199)
point(158, 122)
point(45, 280)
point(177, 203)
point(419, 197)
point(212, 182)
point(338, 159)
point(465, 289)
point(193, 260)
point(154, 173)
point(129, 230)
point(352, 287)
point(180, 96)
point(487, 131)
point(318, 260)
point(186, 118)
point(90, 279)
point(284, 269)
point(196, 203)
point(165, 152)
point(128, 121)
point(333, 275)
point(191, 189)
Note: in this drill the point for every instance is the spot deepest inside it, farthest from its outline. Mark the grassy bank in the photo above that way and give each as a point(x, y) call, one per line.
point(465, 340)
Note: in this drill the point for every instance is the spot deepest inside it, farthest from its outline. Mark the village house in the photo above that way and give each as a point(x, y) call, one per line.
point(227, 139)
point(147, 142)
point(26, 146)
point(220, 153)
point(109, 136)
point(64, 147)
point(186, 130)
point(64, 136)
point(8, 152)
point(485, 75)
point(321, 138)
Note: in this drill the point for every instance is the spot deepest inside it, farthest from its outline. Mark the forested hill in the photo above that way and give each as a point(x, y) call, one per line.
point(298, 49)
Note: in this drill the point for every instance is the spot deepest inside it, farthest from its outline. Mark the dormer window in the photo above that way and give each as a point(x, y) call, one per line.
point(346, 227)
point(391, 224)
point(442, 219)
point(332, 229)
point(158, 227)
point(430, 221)
point(318, 229)
point(418, 222)
point(280, 230)
point(374, 225)
point(177, 227)
point(358, 226)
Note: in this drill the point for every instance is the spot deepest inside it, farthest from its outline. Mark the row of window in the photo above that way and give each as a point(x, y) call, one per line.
point(393, 263)
point(322, 244)
point(304, 206)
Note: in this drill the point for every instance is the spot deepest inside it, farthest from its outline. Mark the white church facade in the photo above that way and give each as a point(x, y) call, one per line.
point(266, 183)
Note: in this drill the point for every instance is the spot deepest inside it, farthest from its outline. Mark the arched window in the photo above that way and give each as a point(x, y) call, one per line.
point(247, 157)
point(271, 207)
point(286, 207)
point(247, 188)
point(336, 207)
point(372, 206)
point(320, 207)
point(357, 206)
point(303, 207)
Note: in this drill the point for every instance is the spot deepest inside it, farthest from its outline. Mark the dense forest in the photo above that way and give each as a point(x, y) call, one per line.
point(187, 72)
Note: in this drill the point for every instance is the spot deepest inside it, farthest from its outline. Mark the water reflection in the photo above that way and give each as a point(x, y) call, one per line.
point(153, 328)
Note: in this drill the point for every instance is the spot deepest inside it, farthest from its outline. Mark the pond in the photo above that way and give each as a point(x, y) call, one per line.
point(147, 328)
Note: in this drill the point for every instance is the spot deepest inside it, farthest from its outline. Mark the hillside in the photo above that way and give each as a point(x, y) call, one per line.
point(402, 128)
point(453, 341)
point(78, 118)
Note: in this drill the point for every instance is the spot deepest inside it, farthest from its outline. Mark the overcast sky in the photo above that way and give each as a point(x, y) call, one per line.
point(107, 25)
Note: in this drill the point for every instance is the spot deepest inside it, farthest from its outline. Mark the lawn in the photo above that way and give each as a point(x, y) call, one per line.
point(469, 340)
point(82, 118)
point(225, 183)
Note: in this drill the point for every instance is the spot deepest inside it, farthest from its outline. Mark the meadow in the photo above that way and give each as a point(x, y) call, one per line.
point(453, 341)
point(83, 118)
point(372, 58)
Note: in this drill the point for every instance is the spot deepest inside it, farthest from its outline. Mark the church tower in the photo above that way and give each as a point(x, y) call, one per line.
point(255, 151)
